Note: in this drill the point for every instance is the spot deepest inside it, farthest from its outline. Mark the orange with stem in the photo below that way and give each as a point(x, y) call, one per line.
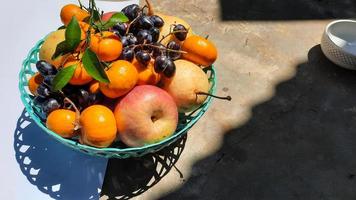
point(70, 10)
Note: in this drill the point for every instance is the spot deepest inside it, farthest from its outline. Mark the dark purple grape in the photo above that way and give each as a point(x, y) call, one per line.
point(170, 70)
point(45, 68)
point(132, 39)
point(134, 28)
point(143, 57)
point(173, 46)
point(159, 64)
point(181, 32)
point(145, 22)
point(158, 51)
point(128, 40)
point(83, 97)
point(144, 36)
point(120, 28)
point(58, 96)
point(155, 34)
point(50, 105)
point(157, 21)
point(95, 98)
point(165, 65)
point(38, 101)
point(69, 89)
point(127, 54)
point(162, 62)
point(43, 90)
point(131, 11)
point(125, 41)
point(48, 80)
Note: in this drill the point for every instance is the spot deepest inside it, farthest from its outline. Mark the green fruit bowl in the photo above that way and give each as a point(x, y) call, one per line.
point(186, 121)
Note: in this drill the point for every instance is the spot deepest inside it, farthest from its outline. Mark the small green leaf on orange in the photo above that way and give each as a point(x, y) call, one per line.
point(73, 33)
point(93, 66)
point(63, 77)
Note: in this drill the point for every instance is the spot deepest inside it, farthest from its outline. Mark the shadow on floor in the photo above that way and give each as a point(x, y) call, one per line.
point(286, 9)
point(56, 170)
point(127, 178)
point(301, 144)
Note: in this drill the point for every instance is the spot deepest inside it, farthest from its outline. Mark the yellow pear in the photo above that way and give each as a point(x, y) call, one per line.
point(188, 80)
point(49, 47)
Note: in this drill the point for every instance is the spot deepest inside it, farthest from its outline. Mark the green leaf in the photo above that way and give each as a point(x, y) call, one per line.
point(93, 67)
point(115, 18)
point(72, 39)
point(63, 77)
point(61, 49)
point(73, 33)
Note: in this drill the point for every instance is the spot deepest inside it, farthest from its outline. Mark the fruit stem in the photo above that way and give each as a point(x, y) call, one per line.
point(64, 61)
point(106, 64)
point(150, 8)
point(171, 33)
point(150, 45)
point(133, 21)
point(80, 4)
point(228, 98)
point(77, 113)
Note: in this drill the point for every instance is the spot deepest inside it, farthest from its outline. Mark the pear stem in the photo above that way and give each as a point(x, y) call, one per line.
point(228, 98)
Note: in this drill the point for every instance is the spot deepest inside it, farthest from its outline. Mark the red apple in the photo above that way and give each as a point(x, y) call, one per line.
point(107, 16)
point(146, 115)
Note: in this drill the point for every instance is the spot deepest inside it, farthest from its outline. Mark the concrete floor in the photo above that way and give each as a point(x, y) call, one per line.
point(289, 131)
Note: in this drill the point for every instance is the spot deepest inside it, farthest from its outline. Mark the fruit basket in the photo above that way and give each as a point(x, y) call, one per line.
point(186, 120)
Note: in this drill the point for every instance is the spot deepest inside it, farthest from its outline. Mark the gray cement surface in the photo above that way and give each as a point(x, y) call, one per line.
point(289, 132)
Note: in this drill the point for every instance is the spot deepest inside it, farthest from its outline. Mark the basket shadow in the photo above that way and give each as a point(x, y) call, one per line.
point(55, 169)
point(286, 9)
point(300, 144)
point(127, 178)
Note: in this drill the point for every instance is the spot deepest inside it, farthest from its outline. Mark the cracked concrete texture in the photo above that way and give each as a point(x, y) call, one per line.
point(266, 143)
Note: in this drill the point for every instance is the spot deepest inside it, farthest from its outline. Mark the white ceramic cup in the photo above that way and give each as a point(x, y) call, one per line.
point(339, 43)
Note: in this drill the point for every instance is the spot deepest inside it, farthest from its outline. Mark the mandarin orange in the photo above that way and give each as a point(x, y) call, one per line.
point(123, 77)
point(106, 45)
point(146, 74)
point(98, 126)
point(80, 76)
point(34, 82)
point(70, 10)
point(62, 122)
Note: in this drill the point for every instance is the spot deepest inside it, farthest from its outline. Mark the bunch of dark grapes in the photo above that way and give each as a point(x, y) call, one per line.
point(48, 100)
point(141, 40)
